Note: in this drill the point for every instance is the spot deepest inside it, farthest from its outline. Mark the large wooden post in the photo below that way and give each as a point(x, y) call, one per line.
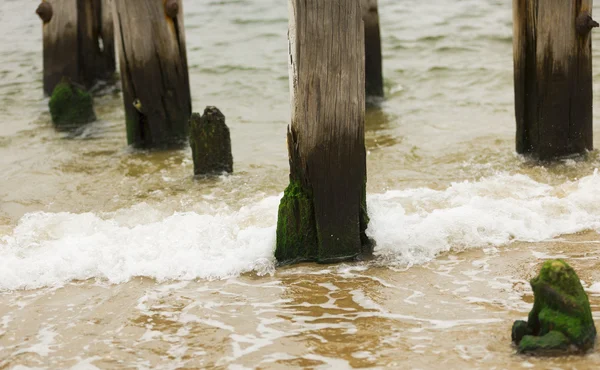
point(154, 71)
point(553, 77)
point(323, 215)
point(373, 58)
point(78, 41)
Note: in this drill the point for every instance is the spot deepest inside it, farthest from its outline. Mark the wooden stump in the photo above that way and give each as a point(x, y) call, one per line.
point(154, 72)
point(553, 77)
point(211, 143)
point(323, 216)
point(373, 58)
point(78, 41)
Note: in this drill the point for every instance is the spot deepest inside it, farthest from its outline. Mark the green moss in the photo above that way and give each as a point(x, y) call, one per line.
point(519, 330)
point(561, 306)
point(553, 342)
point(71, 106)
point(296, 228)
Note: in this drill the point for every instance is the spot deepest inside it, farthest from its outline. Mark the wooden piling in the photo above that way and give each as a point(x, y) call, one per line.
point(154, 71)
point(322, 215)
point(78, 41)
point(553, 77)
point(373, 58)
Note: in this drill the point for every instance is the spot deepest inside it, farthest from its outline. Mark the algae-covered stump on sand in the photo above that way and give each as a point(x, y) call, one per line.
point(561, 318)
point(70, 105)
point(211, 143)
point(323, 216)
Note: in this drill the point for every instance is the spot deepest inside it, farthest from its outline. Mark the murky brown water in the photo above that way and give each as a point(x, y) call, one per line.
point(111, 258)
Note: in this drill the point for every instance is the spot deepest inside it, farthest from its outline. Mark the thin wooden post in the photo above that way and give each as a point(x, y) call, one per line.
point(154, 71)
point(553, 77)
point(373, 58)
point(78, 42)
point(323, 215)
point(97, 45)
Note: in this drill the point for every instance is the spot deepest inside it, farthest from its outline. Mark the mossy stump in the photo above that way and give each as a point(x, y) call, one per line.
point(561, 319)
point(70, 105)
point(211, 143)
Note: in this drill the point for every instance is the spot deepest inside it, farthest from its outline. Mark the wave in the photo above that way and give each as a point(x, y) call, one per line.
point(410, 227)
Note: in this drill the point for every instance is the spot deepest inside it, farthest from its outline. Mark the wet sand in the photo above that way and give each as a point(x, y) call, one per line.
point(455, 312)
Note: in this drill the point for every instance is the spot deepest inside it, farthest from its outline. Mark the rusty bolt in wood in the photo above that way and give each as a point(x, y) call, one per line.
point(45, 12)
point(172, 8)
point(585, 23)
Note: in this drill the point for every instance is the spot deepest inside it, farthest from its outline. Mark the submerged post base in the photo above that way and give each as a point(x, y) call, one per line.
point(70, 105)
point(561, 320)
point(297, 235)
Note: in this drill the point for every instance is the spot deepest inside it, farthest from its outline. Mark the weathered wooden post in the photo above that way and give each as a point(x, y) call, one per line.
point(154, 71)
point(322, 215)
point(211, 143)
point(373, 59)
point(553, 77)
point(78, 41)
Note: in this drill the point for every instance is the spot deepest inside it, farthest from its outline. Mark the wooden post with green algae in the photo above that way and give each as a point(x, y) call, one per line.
point(553, 77)
point(211, 143)
point(154, 72)
point(78, 41)
point(71, 105)
point(561, 318)
point(323, 215)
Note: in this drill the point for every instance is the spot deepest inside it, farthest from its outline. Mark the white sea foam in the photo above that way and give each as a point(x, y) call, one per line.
point(490, 212)
point(410, 227)
point(47, 249)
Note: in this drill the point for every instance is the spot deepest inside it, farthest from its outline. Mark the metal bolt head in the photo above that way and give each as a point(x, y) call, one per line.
point(585, 23)
point(172, 8)
point(45, 12)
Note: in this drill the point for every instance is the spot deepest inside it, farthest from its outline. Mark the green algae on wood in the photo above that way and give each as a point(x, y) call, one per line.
point(211, 143)
point(70, 105)
point(561, 318)
point(296, 228)
point(297, 236)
